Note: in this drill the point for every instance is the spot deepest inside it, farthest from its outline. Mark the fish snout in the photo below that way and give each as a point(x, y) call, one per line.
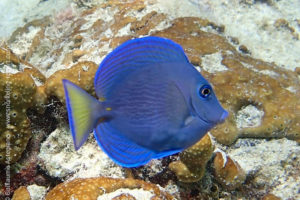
point(223, 116)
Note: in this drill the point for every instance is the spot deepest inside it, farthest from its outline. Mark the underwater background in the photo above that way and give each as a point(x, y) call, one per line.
point(249, 50)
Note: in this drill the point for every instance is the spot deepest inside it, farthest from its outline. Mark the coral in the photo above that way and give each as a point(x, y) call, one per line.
point(31, 34)
point(196, 43)
point(31, 192)
point(297, 70)
point(273, 91)
point(91, 188)
point(124, 197)
point(77, 41)
point(7, 56)
point(82, 74)
point(26, 171)
point(18, 93)
point(192, 163)
point(128, 194)
point(270, 197)
point(125, 6)
point(147, 23)
point(10, 63)
point(284, 24)
point(21, 194)
point(228, 172)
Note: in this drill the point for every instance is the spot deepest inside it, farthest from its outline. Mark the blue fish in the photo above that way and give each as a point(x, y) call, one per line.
point(151, 103)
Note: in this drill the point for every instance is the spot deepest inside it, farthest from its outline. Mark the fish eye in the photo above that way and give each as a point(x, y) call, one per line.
point(205, 91)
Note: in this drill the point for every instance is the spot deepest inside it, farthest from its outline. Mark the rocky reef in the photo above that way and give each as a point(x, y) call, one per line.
point(263, 100)
point(192, 162)
point(18, 88)
point(78, 189)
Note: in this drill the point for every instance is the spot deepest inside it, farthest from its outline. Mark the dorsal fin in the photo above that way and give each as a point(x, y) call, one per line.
point(134, 54)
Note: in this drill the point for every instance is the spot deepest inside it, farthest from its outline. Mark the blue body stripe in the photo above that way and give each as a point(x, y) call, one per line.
point(132, 54)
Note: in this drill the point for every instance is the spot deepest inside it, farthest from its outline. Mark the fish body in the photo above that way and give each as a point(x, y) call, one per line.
point(154, 103)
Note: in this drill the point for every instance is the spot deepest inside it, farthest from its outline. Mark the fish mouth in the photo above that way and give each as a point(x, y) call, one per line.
point(195, 113)
point(221, 119)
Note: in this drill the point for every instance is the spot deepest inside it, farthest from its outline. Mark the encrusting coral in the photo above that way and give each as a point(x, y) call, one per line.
point(21, 194)
point(270, 197)
point(124, 197)
point(82, 74)
point(91, 188)
point(192, 163)
point(7, 56)
point(18, 92)
point(31, 192)
point(15, 126)
point(277, 95)
point(228, 172)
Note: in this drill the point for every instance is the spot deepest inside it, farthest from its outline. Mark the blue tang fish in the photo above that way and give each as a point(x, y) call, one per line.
point(151, 103)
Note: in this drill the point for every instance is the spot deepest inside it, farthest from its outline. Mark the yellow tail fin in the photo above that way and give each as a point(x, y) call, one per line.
point(83, 112)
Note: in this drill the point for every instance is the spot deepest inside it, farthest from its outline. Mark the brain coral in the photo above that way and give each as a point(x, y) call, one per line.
point(91, 188)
